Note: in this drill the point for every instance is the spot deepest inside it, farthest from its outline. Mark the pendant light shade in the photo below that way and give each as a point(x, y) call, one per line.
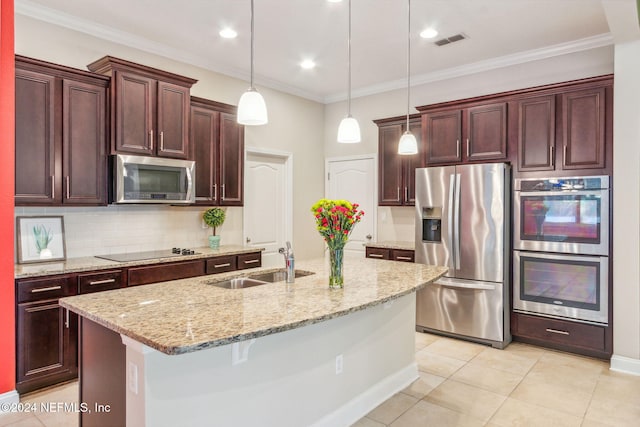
point(408, 143)
point(252, 109)
point(349, 129)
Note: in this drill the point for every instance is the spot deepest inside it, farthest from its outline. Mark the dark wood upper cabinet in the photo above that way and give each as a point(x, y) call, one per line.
point(583, 122)
point(443, 136)
point(151, 111)
point(396, 172)
point(61, 135)
point(218, 150)
point(536, 133)
point(486, 133)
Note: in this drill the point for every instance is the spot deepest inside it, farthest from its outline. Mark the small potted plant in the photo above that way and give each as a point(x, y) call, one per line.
point(214, 217)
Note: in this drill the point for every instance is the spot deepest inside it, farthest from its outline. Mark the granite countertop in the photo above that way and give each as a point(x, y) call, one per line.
point(187, 315)
point(75, 265)
point(392, 244)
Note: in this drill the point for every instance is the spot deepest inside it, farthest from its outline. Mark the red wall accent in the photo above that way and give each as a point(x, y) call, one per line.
point(7, 160)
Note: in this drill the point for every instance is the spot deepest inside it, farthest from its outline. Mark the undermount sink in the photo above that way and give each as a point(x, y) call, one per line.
point(238, 283)
point(277, 276)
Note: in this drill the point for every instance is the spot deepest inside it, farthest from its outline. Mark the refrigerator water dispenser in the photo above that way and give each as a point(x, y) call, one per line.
point(431, 224)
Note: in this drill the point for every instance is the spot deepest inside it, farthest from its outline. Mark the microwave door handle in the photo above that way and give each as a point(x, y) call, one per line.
point(189, 183)
point(452, 180)
point(456, 220)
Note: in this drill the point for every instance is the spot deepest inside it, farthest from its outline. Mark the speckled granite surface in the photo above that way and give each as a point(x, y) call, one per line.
point(391, 244)
point(74, 265)
point(187, 315)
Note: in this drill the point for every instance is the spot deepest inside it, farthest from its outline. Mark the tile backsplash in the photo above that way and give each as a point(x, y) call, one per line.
point(112, 229)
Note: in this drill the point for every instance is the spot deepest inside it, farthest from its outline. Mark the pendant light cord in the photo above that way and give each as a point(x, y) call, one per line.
point(408, 60)
point(349, 77)
point(251, 88)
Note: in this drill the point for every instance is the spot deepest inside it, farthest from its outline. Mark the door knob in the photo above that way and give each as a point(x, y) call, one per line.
point(368, 236)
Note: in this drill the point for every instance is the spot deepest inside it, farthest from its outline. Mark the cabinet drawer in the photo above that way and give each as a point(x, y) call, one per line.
point(164, 272)
point(251, 260)
point(102, 281)
point(378, 253)
point(402, 255)
point(221, 264)
point(561, 332)
point(46, 288)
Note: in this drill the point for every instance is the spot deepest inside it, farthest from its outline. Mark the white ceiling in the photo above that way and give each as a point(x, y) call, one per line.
point(500, 32)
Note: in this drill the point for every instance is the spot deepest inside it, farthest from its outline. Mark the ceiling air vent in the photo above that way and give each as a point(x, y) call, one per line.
point(452, 39)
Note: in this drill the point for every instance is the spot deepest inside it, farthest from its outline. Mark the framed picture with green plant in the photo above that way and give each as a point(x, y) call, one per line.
point(40, 239)
point(214, 218)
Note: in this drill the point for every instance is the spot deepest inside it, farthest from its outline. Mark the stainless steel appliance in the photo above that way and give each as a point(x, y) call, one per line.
point(561, 248)
point(462, 222)
point(143, 179)
point(568, 215)
point(141, 256)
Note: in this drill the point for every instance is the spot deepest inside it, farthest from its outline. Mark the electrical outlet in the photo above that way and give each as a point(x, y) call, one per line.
point(339, 364)
point(133, 378)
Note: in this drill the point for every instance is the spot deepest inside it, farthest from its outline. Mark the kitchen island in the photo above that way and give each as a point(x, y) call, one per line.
point(187, 352)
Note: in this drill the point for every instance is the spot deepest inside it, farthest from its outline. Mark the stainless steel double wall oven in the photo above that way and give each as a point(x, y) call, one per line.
point(561, 247)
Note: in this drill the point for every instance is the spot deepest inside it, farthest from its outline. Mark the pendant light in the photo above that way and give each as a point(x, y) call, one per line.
point(252, 109)
point(349, 129)
point(408, 143)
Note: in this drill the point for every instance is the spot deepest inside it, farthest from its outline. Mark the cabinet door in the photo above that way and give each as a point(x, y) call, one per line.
point(37, 172)
point(47, 345)
point(390, 185)
point(410, 163)
point(173, 121)
point(231, 160)
point(536, 133)
point(487, 132)
point(205, 124)
point(84, 111)
point(443, 133)
point(135, 100)
point(583, 117)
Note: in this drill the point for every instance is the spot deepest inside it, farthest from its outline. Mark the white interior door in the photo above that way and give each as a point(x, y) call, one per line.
point(354, 179)
point(267, 204)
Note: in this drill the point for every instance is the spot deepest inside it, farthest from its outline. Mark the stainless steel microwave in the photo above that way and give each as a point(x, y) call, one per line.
point(143, 179)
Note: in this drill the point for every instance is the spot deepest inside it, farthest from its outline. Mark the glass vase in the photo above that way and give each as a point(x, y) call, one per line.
point(336, 277)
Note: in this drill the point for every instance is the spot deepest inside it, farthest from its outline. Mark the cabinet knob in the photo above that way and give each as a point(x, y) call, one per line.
point(369, 237)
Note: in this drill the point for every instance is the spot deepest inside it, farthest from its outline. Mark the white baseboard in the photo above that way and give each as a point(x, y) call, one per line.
point(626, 365)
point(361, 405)
point(10, 397)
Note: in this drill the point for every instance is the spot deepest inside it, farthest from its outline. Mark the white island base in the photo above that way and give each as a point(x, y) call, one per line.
point(289, 378)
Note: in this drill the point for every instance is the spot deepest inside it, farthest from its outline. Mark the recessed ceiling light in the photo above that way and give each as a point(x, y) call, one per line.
point(228, 33)
point(428, 33)
point(308, 64)
point(334, 1)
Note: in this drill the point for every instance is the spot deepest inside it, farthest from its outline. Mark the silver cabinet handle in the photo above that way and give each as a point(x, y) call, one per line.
point(66, 322)
point(556, 331)
point(101, 282)
point(161, 141)
point(67, 181)
point(215, 192)
point(551, 159)
point(398, 193)
point(458, 148)
point(50, 288)
point(403, 258)
point(564, 155)
point(151, 140)
point(468, 149)
point(53, 186)
point(376, 256)
point(226, 264)
point(222, 191)
point(252, 261)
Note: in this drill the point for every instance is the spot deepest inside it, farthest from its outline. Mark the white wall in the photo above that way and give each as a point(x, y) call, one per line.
point(295, 125)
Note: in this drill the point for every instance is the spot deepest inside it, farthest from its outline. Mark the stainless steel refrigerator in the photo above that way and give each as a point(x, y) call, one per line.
point(462, 222)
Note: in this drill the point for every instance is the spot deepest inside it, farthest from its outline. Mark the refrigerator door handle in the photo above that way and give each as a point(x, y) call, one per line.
point(456, 222)
point(449, 283)
point(452, 181)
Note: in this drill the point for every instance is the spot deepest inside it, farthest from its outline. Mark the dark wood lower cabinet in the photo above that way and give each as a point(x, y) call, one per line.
point(164, 272)
point(47, 345)
point(404, 255)
point(574, 337)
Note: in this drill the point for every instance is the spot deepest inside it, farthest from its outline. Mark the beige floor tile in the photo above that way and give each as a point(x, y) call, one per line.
point(590, 423)
point(525, 350)
point(67, 392)
point(466, 399)
point(367, 422)
point(423, 385)
point(442, 366)
point(503, 360)
point(583, 378)
point(625, 388)
point(556, 396)
point(514, 413)
point(614, 412)
point(423, 340)
point(392, 408)
point(8, 418)
point(454, 348)
point(59, 419)
point(486, 378)
point(428, 414)
point(585, 364)
point(31, 421)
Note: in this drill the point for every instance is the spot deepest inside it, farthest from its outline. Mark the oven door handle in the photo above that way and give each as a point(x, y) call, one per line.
point(469, 284)
point(561, 193)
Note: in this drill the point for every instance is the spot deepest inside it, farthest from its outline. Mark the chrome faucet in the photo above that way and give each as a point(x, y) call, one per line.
point(288, 262)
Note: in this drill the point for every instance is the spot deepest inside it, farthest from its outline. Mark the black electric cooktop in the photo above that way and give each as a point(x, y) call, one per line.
point(139, 256)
